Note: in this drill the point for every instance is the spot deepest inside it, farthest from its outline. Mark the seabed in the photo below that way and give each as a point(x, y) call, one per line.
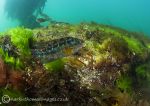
point(111, 67)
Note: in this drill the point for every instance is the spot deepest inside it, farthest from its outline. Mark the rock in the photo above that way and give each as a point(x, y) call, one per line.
point(2, 73)
point(16, 80)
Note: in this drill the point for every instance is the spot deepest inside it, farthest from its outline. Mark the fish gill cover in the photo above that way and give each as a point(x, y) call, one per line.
point(62, 64)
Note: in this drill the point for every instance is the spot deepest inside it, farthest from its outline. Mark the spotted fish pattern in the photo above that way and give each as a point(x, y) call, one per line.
point(48, 51)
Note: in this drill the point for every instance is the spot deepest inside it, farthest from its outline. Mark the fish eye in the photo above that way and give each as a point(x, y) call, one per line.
point(69, 41)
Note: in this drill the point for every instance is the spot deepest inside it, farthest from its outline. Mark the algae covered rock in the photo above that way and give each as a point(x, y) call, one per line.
point(85, 64)
point(21, 38)
point(2, 73)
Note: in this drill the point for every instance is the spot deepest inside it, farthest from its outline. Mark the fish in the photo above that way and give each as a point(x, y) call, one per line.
point(41, 20)
point(58, 48)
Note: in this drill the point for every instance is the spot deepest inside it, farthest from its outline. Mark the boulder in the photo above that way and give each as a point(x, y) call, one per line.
point(2, 73)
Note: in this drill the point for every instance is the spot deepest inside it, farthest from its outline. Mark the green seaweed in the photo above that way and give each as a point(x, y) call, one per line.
point(124, 83)
point(14, 62)
point(21, 38)
point(134, 45)
point(56, 65)
point(11, 93)
point(6, 58)
point(148, 46)
point(1, 34)
point(114, 52)
point(115, 44)
point(143, 73)
point(15, 95)
point(94, 46)
point(140, 71)
point(2, 54)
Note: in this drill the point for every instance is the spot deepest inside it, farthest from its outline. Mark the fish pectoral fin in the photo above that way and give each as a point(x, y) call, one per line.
point(68, 51)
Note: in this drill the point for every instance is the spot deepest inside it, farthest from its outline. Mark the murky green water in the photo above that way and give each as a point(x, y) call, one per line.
point(132, 15)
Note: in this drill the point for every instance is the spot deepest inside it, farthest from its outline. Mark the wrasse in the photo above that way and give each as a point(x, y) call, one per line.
point(58, 48)
point(41, 20)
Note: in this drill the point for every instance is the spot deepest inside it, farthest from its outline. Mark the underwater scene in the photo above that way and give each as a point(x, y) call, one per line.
point(74, 53)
